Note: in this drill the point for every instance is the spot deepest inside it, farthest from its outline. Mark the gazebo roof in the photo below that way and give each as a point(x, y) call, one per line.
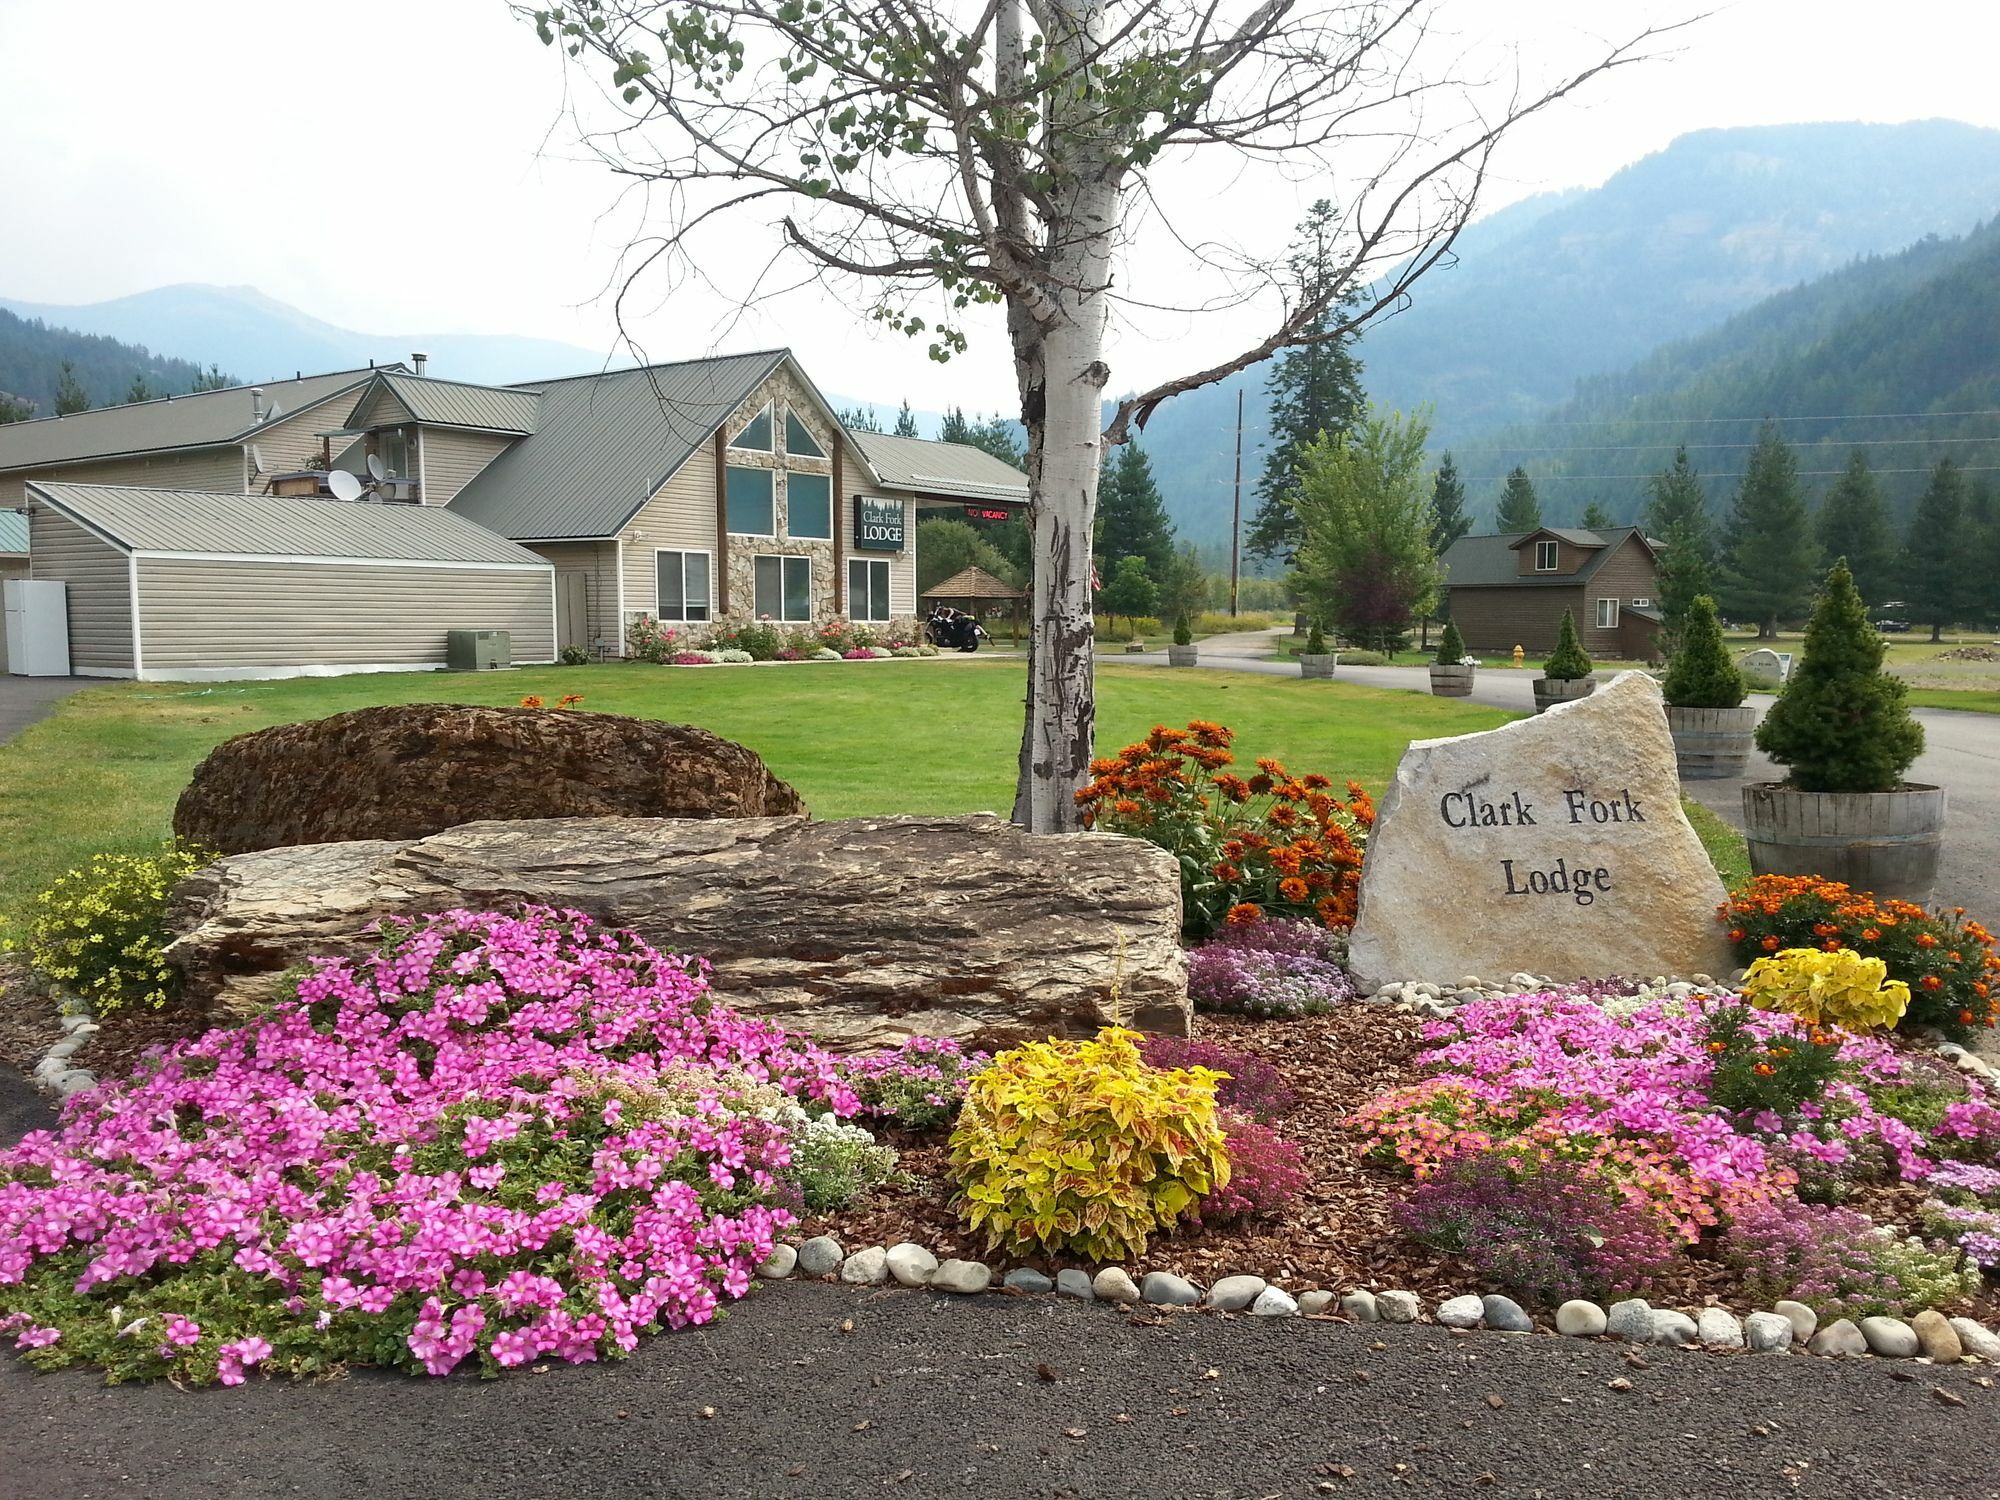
point(972, 583)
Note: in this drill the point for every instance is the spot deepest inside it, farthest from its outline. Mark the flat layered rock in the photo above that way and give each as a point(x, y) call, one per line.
point(1557, 842)
point(859, 932)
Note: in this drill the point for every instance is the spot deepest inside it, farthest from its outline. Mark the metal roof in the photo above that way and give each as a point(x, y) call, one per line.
point(603, 444)
point(1489, 561)
point(931, 468)
point(973, 583)
point(1575, 536)
point(196, 521)
point(453, 403)
point(204, 419)
point(13, 532)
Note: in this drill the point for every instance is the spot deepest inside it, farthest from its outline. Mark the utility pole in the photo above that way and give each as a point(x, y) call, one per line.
point(1236, 506)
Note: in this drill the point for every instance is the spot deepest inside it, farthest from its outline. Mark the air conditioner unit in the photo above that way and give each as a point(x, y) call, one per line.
point(478, 650)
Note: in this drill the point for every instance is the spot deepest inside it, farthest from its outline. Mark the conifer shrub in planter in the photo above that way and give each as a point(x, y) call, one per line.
point(1566, 674)
point(1452, 671)
point(1842, 726)
point(1704, 691)
point(1182, 652)
point(1316, 660)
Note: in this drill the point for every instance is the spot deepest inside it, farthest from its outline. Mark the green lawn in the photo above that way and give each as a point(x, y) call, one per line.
point(1965, 700)
point(894, 736)
point(1725, 846)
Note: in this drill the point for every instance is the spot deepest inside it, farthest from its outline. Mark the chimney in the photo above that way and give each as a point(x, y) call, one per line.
point(256, 404)
point(418, 361)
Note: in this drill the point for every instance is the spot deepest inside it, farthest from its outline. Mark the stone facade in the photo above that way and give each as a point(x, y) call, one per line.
point(779, 393)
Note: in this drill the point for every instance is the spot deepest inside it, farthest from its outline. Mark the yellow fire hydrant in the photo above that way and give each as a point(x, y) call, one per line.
point(1520, 656)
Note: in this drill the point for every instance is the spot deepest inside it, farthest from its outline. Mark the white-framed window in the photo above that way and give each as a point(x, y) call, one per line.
point(809, 507)
point(685, 584)
point(783, 588)
point(1547, 556)
point(867, 589)
point(392, 446)
point(756, 433)
point(799, 441)
point(747, 502)
point(1607, 614)
point(1642, 603)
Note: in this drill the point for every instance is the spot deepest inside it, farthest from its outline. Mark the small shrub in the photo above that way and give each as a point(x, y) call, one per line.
point(1080, 1146)
point(1451, 646)
point(1827, 987)
point(1840, 1263)
point(1266, 1172)
point(1183, 631)
point(734, 656)
point(100, 930)
point(694, 659)
point(833, 1162)
point(1702, 673)
point(1249, 1085)
point(1569, 662)
point(919, 1085)
point(1358, 658)
point(1315, 640)
point(574, 655)
point(825, 653)
point(1841, 723)
point(1752, 1073)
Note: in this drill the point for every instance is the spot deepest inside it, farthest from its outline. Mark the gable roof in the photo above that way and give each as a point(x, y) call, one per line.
point(193, 521)
point(1489, 561)
point(1575, 536)
point(204, 419)
point(603, 444)
point(13, 533)
point(454, 403)
point(955, 469)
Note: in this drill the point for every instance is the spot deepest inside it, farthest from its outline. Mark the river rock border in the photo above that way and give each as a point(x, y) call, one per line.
point(1930, 1335)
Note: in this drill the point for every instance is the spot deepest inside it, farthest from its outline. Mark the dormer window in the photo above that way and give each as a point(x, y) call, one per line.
point(756, 433)
point(799, 442)
point(1546, 556)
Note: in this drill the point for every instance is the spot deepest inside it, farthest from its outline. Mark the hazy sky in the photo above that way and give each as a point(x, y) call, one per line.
point(403, 165)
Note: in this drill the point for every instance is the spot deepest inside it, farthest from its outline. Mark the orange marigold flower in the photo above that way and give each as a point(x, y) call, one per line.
point(1832, 945)
point(1763, 1070)
point(1980, 988)
point(1294, 889)
point(1965, 1018)
point(1737, 934)
point(533, 700)
point(1871, 935)
point(1770, 944)
point(1932, 982)
point(1243, 913)
point(1925, 940)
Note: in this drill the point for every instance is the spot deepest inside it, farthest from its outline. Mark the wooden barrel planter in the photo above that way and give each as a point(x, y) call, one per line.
point(1885, 842)
point(1549, 691)
point(1711, 742)
point(1312, 664)
point(1454, 681)
point(1182, 656)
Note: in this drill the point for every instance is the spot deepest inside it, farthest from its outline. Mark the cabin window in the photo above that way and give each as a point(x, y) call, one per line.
point(756, 434)
point(784, 588)
point(1546, 557)
point(747, 500)
point(1607, 614)
point(809, 507)
point(798, 441)
point(683, 584)
point(867, 589)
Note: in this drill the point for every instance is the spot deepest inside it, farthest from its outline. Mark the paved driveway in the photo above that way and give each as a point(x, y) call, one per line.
point(23, 700)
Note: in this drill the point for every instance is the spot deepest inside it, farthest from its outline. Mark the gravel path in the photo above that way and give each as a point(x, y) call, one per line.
point(822, 1391)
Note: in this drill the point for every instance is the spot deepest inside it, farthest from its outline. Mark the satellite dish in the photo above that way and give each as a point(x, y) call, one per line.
point(375, 469)
point(344, 485)
point(257, 458)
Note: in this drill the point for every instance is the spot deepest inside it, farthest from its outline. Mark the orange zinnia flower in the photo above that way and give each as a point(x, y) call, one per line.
point(1294, 889)
point(1243, 913)
point(1770, 945)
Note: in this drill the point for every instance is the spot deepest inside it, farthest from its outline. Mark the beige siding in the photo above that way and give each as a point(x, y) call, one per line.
point(100, 591)
point(292, 442)
point(600, 561)
point(384, 408)
point(220, 470)
point(448, 460)
point(902, 565)
point(13, 492)
point(199, 613)
point(681, 515)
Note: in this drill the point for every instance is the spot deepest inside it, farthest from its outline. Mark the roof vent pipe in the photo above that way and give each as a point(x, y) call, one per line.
point(256, 404)
point(419, 361)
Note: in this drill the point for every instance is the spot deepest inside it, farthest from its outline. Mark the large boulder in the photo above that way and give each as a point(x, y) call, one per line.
point(408, 770)
point(859, 932)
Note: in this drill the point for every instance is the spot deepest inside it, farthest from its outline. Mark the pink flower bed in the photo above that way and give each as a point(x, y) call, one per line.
point(500, 1138)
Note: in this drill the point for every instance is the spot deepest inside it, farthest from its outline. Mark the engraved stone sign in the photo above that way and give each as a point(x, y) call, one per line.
point(1554, 845)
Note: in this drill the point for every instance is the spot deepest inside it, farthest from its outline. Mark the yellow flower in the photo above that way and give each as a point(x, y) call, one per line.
point(1840, 988)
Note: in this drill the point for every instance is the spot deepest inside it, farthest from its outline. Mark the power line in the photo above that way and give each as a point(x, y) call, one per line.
point(1802, 473)
point(1852, 416)
point(1661, 447)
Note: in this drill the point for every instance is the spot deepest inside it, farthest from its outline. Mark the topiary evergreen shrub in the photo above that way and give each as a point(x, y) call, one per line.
point(1451, 646)
point(1841, 723)
point(1702, 674)
point(1315, 640)
point(1183, 632)
point(1569, 661)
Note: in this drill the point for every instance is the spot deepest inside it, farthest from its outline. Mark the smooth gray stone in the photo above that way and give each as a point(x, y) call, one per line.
point(867, 1267)
point(1075, 1283)
point(821, 1256)
point(1632, 1320)
point(1977, 1339)
point(1580, 1319)
point(1164, 1289)
point(1891, 1338)
point(966, 1277)
point(1670, 1327)
point(1838, 1338)
point(1112, 1284)
point(1768, 1333)
point(1804, 1321)
point(1274, 1302)
point(1234, 1293)
point(1028, 1279)
point(780, 1263)
point(1719, 1328)
point(911, 1264)
point(1505, 1315)
point(1398, 1306)
point(1312, 1304)
point(1461, 1312)
point(1359, 1304)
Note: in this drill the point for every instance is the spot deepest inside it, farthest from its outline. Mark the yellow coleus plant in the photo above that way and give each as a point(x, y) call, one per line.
point(99, 932)
point(1081, 1146)
point(1835, 987)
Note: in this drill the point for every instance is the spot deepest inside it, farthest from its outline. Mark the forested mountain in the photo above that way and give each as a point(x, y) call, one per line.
point(1899, 355)
point(32, 355)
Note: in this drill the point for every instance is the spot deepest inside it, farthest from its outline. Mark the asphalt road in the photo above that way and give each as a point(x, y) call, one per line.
point(811, 1392)
point(1961, 754)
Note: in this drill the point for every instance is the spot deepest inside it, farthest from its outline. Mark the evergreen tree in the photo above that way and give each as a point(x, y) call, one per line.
point(1685, 576)
point(1675, 498)
point(1131, 592)
point(1184, 586)
point(1449, 518)
point(1519, 509)
point(213, 380)
point(860, 419)
point(1312, 390)
point(1451, 646)
point(1770, 559)
point(906, 421)
point(1939, 569)
point(1569, 661)
point(14, 409)
point(1841, 723)
point(138, 390)
point(70, 395)
point(995, 435)
point(948, 547)
point(1702, 673)
point(1131, 516)
point(1365, 560)
point(1597, 518)
point(1854, 524)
